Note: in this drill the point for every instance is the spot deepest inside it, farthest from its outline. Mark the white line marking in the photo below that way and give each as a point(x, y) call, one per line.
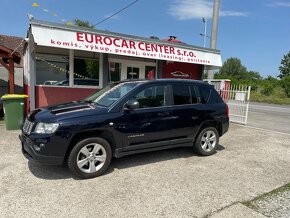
point(272, 131)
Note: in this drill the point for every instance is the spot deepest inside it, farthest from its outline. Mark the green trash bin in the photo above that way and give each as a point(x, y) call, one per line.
point(13, 106)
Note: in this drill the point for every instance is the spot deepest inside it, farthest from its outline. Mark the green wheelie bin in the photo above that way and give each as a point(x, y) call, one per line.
point(13, 106)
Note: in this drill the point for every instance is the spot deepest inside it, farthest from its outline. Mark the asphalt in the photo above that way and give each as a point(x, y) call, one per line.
point(269, 116)
point(171, 183)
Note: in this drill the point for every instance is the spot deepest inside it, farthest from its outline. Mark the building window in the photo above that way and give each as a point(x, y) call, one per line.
point(133, 72)
point(86, 72)
point(150, 72)
point(54, 70)
point(115, 71)
point(51, 69)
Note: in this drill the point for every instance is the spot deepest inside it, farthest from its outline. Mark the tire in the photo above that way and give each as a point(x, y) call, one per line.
point(206, 141)
point(90, 158)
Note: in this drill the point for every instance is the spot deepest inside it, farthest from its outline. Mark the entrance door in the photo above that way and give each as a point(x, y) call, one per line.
point(133, 72)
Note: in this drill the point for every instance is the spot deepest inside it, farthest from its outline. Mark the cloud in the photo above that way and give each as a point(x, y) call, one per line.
point(195, 9)
point(279, 4)
point(233, 14)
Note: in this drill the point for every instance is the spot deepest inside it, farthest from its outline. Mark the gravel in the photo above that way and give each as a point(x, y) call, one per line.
point(276, 205)
point(169, 183)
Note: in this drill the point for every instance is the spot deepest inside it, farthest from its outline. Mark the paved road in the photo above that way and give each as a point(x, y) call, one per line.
point(171, 183)
point(268, 116)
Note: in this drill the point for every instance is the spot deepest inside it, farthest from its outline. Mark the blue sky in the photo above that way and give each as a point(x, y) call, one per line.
point(257, 32)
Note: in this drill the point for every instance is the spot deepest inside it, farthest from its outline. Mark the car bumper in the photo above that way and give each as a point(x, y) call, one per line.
point(31, 154)
point(225, 127)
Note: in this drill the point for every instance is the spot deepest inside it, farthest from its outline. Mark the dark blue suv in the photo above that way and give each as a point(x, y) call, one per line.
point(125, 118)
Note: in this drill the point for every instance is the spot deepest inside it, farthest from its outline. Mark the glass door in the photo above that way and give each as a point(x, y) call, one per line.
point(133, 72)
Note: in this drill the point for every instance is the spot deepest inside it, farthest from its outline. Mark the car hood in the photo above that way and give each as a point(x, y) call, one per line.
point(70, 110)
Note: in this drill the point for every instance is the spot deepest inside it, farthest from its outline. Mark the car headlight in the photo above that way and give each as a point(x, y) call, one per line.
point(46, 128)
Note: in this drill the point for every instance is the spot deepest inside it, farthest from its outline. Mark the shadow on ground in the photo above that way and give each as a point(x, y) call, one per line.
point(50, 172)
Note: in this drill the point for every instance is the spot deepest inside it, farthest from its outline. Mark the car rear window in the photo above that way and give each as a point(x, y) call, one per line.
point(214, 97)
point(209, 95)
point(204, 92)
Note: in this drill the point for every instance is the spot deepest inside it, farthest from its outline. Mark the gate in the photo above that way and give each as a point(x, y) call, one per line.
point(237, 98)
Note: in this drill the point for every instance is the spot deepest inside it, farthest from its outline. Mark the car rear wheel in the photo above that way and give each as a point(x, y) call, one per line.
point(90, 158)
point(207, 141)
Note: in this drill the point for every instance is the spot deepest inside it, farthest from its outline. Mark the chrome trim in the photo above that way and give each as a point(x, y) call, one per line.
point(27, 126)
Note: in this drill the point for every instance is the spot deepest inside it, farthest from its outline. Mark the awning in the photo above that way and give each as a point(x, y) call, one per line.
point(78, 38)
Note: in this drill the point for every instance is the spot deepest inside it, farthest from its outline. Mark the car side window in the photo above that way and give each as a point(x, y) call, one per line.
point(193, 95)
point(181, 94)
point(153, 96)
point(204, 94)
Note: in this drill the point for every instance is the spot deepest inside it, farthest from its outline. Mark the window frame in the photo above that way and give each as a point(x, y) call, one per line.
point(74, 77)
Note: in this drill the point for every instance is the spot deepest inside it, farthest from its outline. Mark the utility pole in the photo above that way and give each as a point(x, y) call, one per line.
point(214, 29)
point(215, 19)
point(204, 31)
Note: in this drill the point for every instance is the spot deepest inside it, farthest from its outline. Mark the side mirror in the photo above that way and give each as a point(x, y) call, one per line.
point(132, 104)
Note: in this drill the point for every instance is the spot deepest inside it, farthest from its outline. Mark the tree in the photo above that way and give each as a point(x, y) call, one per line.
point(234, 70)
point(286, 85)
point(233, 66)
point(285, 66)
point(82, 23)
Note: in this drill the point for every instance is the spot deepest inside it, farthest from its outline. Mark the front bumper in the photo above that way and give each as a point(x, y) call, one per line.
point(31, 154)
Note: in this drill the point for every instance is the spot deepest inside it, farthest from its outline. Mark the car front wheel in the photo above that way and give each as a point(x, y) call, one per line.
point(90, 158)
point(207, 141)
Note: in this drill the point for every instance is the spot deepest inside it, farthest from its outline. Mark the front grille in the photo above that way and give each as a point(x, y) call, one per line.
point(27, 126)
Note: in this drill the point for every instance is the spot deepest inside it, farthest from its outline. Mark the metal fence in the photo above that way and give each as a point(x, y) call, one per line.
point(237, 98)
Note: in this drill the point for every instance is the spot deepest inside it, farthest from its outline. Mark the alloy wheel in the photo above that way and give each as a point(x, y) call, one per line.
point(208, 141)
point(91, 158)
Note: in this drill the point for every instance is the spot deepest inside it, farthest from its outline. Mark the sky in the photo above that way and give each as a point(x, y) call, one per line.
point(255, 31)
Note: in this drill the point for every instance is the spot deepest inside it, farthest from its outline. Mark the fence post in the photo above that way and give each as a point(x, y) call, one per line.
point(248, 102)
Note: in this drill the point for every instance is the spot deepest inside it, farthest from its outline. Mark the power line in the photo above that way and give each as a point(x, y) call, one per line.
point(129, 5)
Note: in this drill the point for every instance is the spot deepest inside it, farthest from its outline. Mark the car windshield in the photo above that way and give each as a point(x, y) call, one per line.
point(111, 93)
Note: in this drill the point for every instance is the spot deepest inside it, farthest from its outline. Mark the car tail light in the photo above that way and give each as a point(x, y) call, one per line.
point(227, 110)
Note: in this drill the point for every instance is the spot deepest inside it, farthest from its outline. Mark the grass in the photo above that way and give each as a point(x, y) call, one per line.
point(272, 99)
point(272, 193)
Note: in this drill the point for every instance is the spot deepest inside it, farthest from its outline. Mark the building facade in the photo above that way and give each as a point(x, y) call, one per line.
point(64, 63)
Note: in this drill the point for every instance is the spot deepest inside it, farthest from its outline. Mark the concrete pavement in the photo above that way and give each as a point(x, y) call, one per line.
point(171, 183)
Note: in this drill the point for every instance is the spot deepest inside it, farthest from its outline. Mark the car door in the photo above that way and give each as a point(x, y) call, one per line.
point(187, 113)
point(147, 126)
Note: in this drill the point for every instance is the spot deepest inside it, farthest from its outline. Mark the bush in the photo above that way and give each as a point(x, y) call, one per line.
point(277, 98)
point(286, 85)
point(267, 89)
